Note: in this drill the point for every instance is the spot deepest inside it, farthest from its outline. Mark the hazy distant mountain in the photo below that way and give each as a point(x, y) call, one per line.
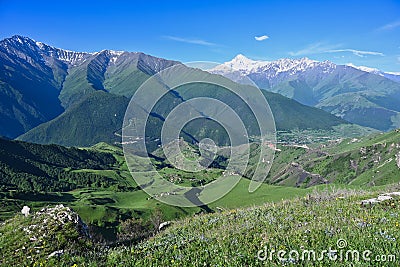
point(394, 76)
point(53, 95)
point(366, 98)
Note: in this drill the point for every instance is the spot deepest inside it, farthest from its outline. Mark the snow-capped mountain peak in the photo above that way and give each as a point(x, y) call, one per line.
point(239, 63)
point(240, 60)
point(16, 44)
point(242, 66)
point(111, 54)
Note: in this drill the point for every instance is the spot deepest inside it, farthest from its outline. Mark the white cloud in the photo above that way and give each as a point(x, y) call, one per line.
point(321, 48)
point(358, 53)
point(261, 38)
point(190, 41)
point(316, 48)
point(390, 26)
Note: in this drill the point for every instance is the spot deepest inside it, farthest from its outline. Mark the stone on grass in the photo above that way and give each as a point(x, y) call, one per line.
point(25, 210)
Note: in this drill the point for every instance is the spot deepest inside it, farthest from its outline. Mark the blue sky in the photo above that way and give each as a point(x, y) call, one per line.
point(360, 32)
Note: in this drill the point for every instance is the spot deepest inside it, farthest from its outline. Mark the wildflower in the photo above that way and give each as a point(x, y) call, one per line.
point(387, 236)
point(213, 220)
point(363, 224)
point(329, 232)
point(203, 238)
point(383, 220)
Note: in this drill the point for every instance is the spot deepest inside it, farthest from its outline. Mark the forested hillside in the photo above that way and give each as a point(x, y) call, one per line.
point(49, 168)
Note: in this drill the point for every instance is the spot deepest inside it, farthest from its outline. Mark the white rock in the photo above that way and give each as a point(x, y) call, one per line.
point(384, 198)
point(25, 210)
point(398, 159)
point(163, 225)
point(370, 201)
point(56, 253)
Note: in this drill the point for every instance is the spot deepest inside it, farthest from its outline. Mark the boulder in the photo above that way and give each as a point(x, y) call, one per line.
point(25, 210)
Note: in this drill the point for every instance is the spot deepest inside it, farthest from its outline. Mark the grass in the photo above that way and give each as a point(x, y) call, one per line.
point(240, 196)
point(329, 222)
point(236, 237)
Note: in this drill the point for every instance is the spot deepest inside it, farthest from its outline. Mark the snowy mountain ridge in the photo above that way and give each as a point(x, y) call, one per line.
point(394, 76)
point(242, 66)
point(247, 66)
point(69, 57)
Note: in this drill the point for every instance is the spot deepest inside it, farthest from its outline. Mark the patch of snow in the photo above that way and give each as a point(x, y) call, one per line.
point(366, 69)
point(40, 44)
point(116, 53)
point(393, 73)
point(394, 76)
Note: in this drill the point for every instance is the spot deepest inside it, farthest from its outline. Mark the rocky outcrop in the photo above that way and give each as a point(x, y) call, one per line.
point(49, 217)
point(303, 177)
point(380, 198)
point(398, 159)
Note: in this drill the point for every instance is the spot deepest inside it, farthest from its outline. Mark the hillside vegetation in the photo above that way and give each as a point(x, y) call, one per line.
point(330, 223)
point(367, 161)
point(27, 167)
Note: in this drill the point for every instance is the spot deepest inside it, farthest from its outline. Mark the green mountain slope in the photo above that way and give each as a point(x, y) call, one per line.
point(96, 118)
point(368, 161)
point(356, 96)
point(99, 118)
point(290, 114)
point(119, 73)
point(27, 167)
point(29, 87)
